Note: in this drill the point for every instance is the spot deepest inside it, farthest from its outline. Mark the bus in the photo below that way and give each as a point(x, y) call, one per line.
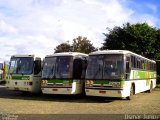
point(24, 74)
point(119, 73)
point(63, 73)
point(2, 71)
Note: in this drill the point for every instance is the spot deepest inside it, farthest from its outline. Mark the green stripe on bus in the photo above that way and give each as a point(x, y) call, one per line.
point(107, 81)
point(60, 81)
point(138, 74)
point(20, 77)
point(122, 82)
point(101, 82)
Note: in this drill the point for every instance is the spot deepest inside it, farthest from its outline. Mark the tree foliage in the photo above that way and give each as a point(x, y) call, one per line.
point(64, 47)
point(79, 44)
point(139, 38)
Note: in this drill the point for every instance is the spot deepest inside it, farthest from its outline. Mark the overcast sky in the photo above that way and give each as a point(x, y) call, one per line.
point(38, 26)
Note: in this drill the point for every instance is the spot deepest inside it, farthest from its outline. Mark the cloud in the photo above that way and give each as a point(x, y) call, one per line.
point(7, 29)
point(38, 26)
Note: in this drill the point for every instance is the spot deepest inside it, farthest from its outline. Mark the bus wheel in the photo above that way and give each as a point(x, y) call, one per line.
point(151, 88)
point(131, 93)
point(25, 93)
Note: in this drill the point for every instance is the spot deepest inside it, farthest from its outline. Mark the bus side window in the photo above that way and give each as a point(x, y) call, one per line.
point(37, 66)
point(128, 68)
point(132, 62)
point(127, 64)
point(77, 69)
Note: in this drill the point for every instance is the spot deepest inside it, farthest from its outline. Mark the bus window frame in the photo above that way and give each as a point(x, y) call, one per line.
point(127, 66)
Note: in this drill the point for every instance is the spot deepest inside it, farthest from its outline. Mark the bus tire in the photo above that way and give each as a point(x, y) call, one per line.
point(151, 87)
point(25, 93)
point(131, 92)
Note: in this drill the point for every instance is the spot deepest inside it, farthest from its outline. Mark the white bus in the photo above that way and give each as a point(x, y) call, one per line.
point(2, 71)
point(24, 74)
point(63, 73)
point(119, 73)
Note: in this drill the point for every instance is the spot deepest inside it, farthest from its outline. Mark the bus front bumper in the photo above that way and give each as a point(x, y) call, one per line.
point(105, 93)
point(59, 90)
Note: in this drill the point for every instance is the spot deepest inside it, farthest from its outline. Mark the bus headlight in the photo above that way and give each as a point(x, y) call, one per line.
point(44, 82)
point(89, 82)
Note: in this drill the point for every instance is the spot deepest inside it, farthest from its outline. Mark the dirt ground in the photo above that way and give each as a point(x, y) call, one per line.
point(17, 103)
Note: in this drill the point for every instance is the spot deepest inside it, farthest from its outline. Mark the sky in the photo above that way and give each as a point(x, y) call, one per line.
point(38, 26)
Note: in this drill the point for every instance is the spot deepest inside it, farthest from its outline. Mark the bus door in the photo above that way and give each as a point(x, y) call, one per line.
point(78, 81)
point(77, 68)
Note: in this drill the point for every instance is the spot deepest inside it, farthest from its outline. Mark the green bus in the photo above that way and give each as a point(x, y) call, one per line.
point(119, 73)
point(63, 73)
point(24, 74)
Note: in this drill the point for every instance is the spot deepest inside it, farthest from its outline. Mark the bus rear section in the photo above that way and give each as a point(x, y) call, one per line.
point(24, 74)
point(63, 73)
point(110, 73)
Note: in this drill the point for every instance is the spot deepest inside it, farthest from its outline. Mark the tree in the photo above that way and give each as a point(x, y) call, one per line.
point(157, 43)
point(139, 38)
point(80, 44)
point(64, 47)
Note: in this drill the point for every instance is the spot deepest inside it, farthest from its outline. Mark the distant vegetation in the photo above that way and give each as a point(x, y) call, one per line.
point(79, 44)
point(139, 38)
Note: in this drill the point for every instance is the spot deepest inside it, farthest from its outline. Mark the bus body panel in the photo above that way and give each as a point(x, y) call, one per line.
point(63, 87)
point(28, 83)
point(124, 92)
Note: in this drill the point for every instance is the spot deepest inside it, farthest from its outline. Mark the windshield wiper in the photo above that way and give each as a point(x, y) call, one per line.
point(59, 72)
point(51, 74)
point(97, 71)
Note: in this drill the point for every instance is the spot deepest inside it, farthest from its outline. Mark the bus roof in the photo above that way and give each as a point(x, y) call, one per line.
point(125, 52)
point(67, 54)
point(22, 55)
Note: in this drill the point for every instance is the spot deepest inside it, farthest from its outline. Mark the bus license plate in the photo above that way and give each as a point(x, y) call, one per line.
point(102, 91)
point(54, 89)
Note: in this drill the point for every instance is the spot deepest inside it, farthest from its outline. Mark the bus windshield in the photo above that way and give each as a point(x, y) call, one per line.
point(57, 67)
point(108, 66)
point(21, 65)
